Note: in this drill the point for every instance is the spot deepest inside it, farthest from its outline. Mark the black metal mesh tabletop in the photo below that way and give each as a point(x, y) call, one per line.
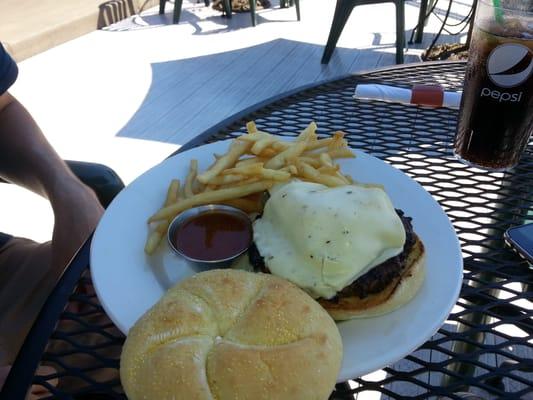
point(485, 346)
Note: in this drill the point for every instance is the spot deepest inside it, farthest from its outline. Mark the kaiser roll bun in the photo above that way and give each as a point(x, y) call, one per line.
point(227, 334)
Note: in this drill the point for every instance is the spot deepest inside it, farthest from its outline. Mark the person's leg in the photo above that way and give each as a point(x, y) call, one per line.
point(26, 280)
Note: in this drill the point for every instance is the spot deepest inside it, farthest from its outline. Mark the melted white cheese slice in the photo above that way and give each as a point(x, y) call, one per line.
point(322, 239)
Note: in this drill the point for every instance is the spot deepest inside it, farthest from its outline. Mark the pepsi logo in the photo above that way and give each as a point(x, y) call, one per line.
point(509, 65)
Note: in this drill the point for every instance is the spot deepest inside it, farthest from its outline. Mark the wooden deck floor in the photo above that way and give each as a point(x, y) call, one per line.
point(130, 95)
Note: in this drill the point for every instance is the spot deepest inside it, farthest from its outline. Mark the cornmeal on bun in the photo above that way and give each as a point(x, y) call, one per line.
point(226, 334)
point(346, 246)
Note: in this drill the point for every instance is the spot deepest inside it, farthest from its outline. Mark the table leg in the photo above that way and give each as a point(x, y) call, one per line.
point(422, 19)
point(227, 8)
point(177, 11)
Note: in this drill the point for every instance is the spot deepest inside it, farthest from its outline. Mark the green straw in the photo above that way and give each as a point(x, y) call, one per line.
point(498, 13)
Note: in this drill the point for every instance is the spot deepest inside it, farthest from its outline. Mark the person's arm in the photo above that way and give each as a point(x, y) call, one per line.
point(27, 159)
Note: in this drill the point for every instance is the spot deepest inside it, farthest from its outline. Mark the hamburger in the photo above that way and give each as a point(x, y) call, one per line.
point(348, 247)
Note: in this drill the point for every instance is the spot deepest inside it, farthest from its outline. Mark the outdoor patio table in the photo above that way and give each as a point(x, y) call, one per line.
point(485, 346)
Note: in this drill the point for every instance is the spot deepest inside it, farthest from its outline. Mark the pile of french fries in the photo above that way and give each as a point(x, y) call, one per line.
point(254, 162)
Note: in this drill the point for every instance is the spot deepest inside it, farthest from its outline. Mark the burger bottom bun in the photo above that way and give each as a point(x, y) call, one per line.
point(228, 335)
point(398, 293)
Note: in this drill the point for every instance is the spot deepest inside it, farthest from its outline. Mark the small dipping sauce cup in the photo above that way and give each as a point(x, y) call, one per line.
point(211, 236)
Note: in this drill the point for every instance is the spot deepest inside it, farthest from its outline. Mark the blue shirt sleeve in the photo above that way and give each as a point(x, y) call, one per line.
point(8, 70)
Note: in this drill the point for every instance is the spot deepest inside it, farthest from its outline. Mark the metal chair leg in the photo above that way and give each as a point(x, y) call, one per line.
point(290, 3)
point(400, 30)
point(177, 11)
point(252, 11)
point(421, 21)
point(227, 8)
point(342, 13)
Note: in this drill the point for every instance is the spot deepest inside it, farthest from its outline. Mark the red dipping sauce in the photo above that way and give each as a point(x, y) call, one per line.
point(213, 236)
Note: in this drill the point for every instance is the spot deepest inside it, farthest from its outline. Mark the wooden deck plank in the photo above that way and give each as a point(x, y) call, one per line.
point(241, 81)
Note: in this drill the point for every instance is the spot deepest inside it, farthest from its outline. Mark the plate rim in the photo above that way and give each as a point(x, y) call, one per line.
point(343, 375)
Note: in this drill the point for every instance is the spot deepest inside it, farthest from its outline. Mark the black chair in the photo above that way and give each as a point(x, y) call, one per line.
point(282, 3)
point(102, 179)
point(177, 8)
point(344, 9)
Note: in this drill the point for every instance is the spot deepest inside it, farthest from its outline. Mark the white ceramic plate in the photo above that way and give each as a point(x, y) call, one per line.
point(128, 282)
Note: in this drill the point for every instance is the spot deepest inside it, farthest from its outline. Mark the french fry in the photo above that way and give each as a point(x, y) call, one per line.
point(331, 181)
point(246, 181)
point(275, 175)
point(291, 169)
point(338, 143)
point(326, 160)
point(254, 136)
point(181, 193)
point(226, 179)
point(249, 161)
point(315, 153)
point(249, 169)
point(292, 151)
point(305, 170)
point(267, 153)
point(197, 187)
point(155, 237)
point(320, 143)
point(259, 146)
point(172, 192)
point(308, 132)
point(343, 178)
point(162, 226)
point(311, 173)
point(341, 153)
point(280, 146)
point(314, 162)
point(330, 170)
point(228, 160)
point(339, 134)
point(372, 185)
point(251, 127)
point(191, 177)
point(210, 197)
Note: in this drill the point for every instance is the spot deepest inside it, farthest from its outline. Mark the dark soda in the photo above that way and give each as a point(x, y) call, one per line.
point(496, 117)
